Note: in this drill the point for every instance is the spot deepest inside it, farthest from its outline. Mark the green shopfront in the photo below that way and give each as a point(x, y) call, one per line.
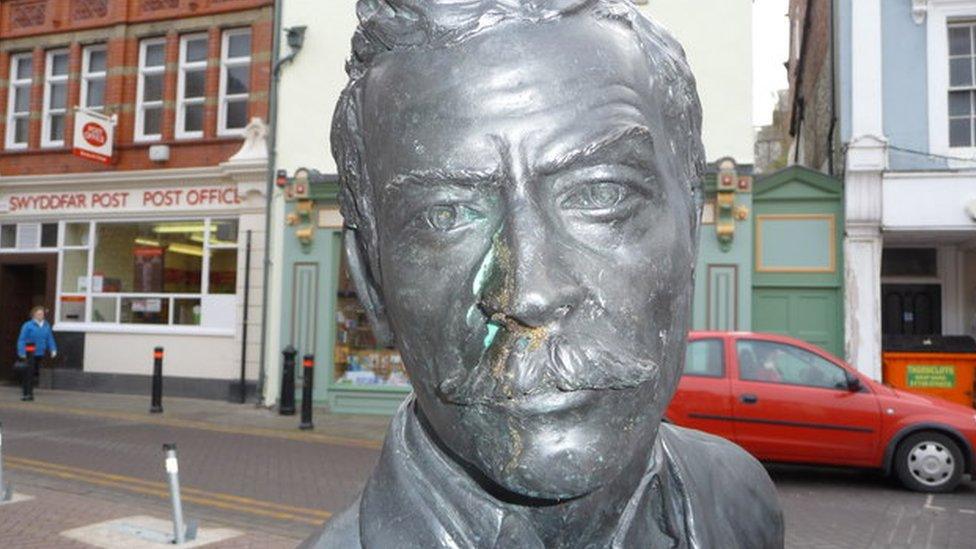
point(797, 281)
point(320, 312)
point(770, 257)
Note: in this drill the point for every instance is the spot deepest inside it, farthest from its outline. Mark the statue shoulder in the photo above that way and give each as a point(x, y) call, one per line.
point(341, 532)
point(716, 474)
point(705, 450)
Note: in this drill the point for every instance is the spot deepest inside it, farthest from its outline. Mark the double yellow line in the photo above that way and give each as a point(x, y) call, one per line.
point(227, 502)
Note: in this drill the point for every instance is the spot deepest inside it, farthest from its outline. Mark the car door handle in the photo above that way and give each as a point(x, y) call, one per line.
point(749, 398)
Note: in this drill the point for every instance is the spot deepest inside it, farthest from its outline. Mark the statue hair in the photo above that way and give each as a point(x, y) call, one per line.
point(386, 26)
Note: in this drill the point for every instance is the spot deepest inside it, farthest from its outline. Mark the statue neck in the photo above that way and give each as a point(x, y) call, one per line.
point(591, 520)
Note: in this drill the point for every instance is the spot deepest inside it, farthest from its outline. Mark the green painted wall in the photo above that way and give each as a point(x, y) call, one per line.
point(720, 272)
point(308, 317)
point(797, 281)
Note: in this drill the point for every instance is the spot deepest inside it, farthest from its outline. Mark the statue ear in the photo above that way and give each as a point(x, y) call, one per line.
point(367, 287)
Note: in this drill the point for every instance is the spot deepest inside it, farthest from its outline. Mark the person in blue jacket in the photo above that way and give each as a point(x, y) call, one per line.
point(36, 331)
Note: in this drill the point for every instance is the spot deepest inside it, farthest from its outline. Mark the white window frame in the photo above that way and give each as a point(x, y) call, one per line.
point(141, 105)
point(117, 326)
point(88, 76)
point(939, 15)
point(181, 100)
point(226, 63)
point(47, 111)
point(15, 84)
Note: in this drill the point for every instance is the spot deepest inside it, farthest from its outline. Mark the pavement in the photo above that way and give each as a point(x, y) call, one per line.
point(240, 466)
point(86, 461)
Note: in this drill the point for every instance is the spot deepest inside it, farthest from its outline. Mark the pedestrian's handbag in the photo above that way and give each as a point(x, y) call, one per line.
point(20, 363)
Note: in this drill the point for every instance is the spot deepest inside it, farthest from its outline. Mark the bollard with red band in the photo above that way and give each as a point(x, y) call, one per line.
point(28, 372)
point(157, 382)
point(308, 374)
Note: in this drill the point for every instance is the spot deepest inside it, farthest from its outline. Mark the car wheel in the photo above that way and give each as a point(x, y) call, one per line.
point(929, 462)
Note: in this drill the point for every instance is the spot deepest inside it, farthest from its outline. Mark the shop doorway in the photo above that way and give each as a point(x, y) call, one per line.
point(25, 281)
point(911, 309)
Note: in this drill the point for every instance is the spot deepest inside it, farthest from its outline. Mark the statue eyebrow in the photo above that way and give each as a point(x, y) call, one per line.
point(443, 177)
point(554, 165)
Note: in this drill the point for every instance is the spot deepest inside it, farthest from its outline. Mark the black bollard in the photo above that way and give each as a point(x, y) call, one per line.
point(308, 373)
point(157, 382)
point(286, 404)
point(27, 380)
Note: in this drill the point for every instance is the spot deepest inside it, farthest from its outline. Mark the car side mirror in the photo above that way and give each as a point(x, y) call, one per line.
point(853, 383)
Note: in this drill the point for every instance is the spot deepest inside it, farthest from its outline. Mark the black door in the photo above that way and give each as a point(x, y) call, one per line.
point(21, 287)
point(911, 309)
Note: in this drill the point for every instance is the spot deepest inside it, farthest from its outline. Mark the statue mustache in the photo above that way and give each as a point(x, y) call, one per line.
point(563, 366)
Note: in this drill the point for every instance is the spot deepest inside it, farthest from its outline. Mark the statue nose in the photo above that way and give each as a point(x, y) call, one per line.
point(529, 283)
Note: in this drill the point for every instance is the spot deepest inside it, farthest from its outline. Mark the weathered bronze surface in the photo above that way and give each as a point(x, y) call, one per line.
point(521, 185)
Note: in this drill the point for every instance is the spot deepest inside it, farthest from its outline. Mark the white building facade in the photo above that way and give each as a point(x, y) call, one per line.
point(906, 89)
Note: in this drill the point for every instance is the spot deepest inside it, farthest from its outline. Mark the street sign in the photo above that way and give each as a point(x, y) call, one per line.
point(93, 136)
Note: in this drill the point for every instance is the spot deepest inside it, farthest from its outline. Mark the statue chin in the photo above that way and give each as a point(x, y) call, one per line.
point(538, 477)
point(558, 458)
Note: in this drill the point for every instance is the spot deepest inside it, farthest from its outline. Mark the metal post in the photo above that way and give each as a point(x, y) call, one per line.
point(308, 374)
point(181, 533)
point(286, 405)
point(27, 381)
point(247, 294)
point(157, 382)
point(5, 491)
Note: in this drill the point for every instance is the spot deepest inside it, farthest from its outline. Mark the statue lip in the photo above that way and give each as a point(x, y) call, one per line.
point(546, 403)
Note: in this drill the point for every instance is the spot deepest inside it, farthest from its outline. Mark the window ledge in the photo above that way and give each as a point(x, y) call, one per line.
point(99, 327)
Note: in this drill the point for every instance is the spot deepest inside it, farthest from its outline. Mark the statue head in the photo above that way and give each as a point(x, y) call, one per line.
point(521, 186)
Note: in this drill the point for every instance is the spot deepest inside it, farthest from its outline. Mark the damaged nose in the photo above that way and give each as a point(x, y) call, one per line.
point(526, 284)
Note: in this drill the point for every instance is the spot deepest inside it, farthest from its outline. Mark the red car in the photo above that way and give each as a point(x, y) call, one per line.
point(784, 400)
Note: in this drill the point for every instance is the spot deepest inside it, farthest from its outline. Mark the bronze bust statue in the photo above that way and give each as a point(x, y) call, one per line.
point(521, 187)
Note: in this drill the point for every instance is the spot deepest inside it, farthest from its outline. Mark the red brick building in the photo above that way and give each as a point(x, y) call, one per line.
point(148, 249)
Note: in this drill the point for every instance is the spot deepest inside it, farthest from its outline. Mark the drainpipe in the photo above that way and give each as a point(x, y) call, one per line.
point(296, 37)
point(833, 91)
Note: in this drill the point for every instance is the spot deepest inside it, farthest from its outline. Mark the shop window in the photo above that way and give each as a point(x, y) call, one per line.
point(93, 75)
point(8, 236)
point(18, 100)
point(71, 308)
point(149, 92)
point(191, 85)
point(153, 272)
point(359, 360)
point(235, 81)
point(55, 98)
point(149, 257)
point(74, 271)
point(104, 309)
point(145, 310)
point(223, 271)
point(49, 235)
point(76, 234)
point(186, 312)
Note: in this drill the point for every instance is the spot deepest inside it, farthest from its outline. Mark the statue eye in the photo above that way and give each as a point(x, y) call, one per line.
point(447, 217)
point(603, 195)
